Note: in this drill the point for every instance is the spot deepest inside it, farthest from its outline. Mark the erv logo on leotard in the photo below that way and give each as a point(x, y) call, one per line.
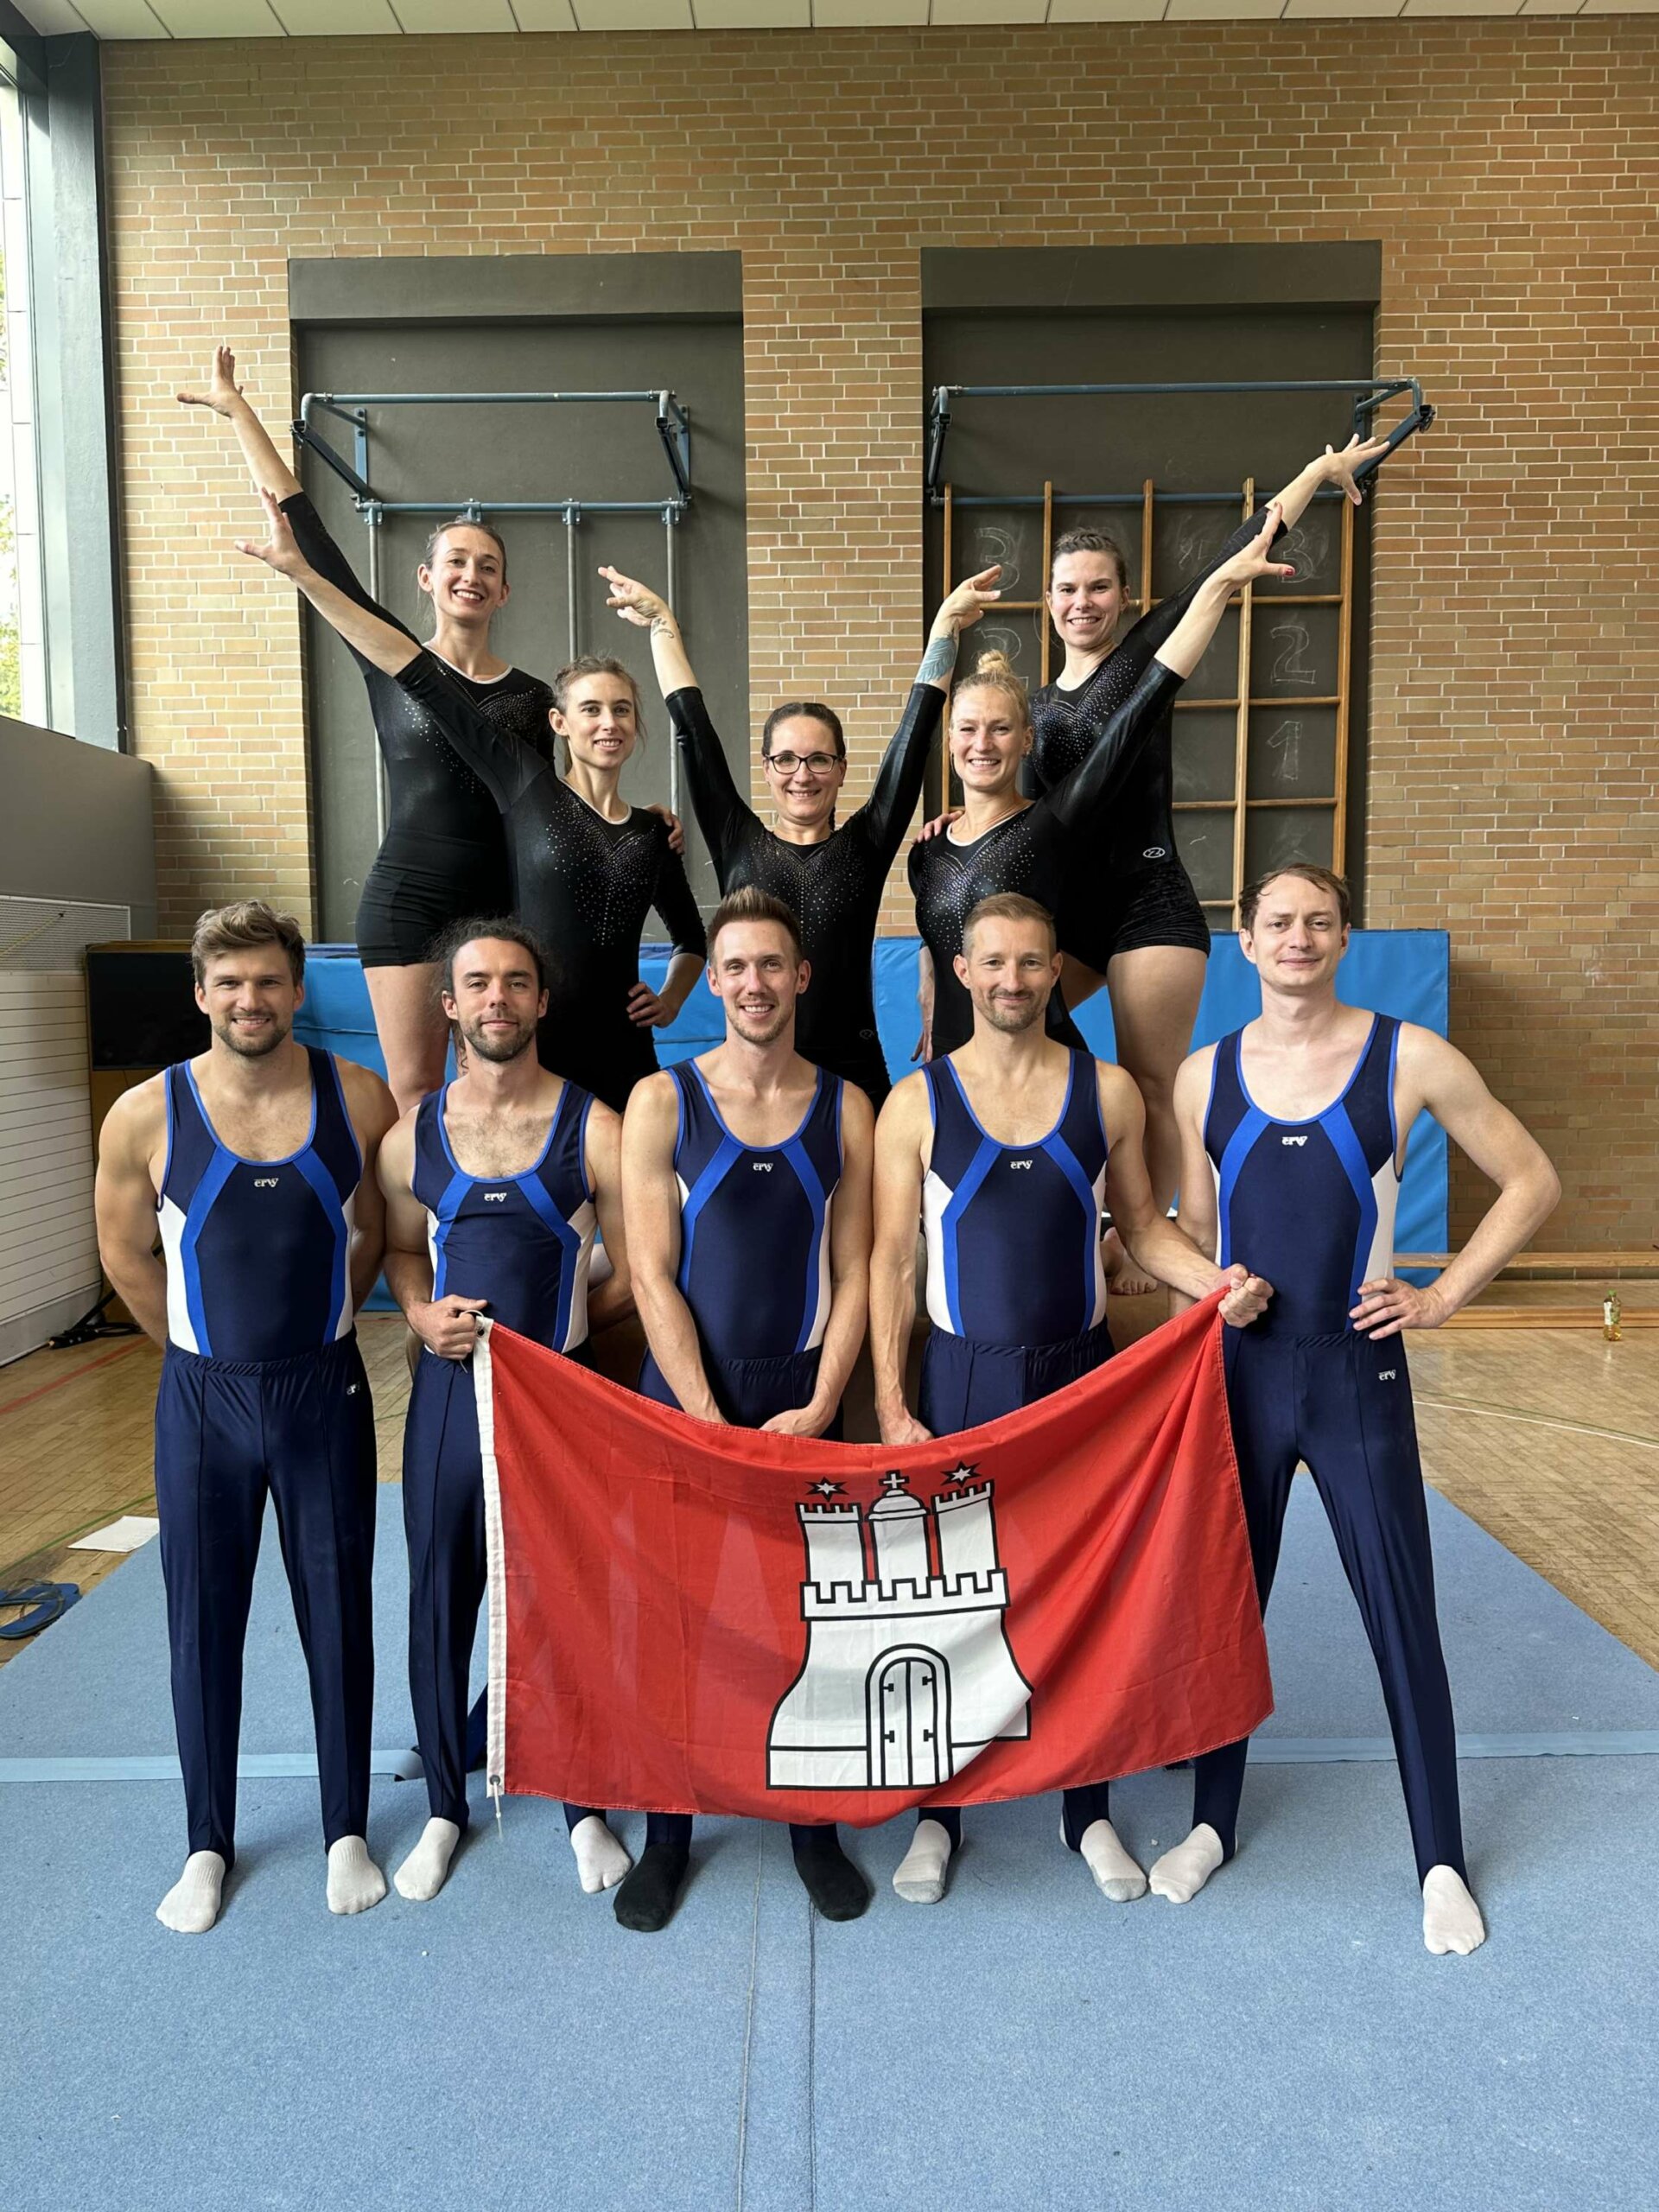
point(762, 1167)
point(1293, 1140)
point(495, 1198)
point(1387, 1374)
point(1019, 1163)
point(265, 1182)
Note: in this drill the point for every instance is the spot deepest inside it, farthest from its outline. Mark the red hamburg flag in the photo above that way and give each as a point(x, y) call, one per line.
point(692, 1618)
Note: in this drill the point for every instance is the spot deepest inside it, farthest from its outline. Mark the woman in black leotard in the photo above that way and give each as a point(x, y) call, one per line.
point(829, 875)
point(1132, 918)
point(443, 856)
point(586, 867)
point(1002, 842)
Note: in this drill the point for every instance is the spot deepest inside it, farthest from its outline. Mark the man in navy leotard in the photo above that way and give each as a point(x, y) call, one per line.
point(1007, 1151)
point(1294, 1134)
point(258, 1158)
point(746, 1174)
point(494, 1186)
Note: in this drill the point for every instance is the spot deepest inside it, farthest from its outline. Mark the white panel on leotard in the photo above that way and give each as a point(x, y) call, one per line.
point(169, 1219)
point(1385, 1189)
point(585, 1223)
point(349, 1305)
point(936, 1197)
point(1098, 1303)
point(826, 1290)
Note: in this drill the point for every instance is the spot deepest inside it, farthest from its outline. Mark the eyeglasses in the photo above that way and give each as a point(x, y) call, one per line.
point(816, 764)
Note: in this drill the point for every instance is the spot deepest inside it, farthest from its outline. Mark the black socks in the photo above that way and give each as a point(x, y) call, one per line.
point(646, 1900)
point(832, 1881)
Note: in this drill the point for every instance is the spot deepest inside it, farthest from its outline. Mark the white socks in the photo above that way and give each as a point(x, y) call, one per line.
point(1452, 1919)
point(355, 1882)
point(1183, 1871)
point(919, 1876)
point(423, 1873)
point(601, 1861)
point(1116, 1875)
point(191, 1906)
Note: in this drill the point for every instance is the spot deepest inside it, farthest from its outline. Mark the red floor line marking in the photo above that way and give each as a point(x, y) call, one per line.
point(64, 1381)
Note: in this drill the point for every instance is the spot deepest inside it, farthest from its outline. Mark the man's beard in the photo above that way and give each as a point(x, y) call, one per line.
point(498, 1050)
point(1013, 1021)
point(251, 1048)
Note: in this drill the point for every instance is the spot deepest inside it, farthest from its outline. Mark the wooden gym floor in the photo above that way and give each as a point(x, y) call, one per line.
point(1549, 1436)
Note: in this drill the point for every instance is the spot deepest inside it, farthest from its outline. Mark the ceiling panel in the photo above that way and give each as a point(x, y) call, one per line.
point(1220, 10)
point(753, 15)
point(219, 19)
point(336, 18)
point(420, 16)
point(633, 15)
point(1462, 8)
point(116, 18)
point(1105, 11)
point(1620, 8)
point(1309, 9)
point(838, 15)
point(990, 11)
point(537, 14)
point(53, 18)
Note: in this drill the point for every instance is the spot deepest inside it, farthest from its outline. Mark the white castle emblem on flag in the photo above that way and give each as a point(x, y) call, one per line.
point(908, 1672)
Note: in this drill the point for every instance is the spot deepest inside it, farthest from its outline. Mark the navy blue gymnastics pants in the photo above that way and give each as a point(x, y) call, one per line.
point(1343, 1404)
point(227, 1433)
point(443, 1523)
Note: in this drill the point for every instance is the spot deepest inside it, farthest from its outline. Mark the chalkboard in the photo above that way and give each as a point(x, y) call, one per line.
point(1292, 752)
point(1278, 836)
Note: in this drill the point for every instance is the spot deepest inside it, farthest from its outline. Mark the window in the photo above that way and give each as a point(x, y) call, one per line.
point(23, 691)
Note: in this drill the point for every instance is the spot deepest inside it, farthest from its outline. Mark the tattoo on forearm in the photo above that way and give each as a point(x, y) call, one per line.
point(663, 625)
point(938, 660)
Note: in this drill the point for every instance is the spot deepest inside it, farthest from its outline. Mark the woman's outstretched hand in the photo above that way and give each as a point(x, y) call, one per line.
point(1339, 467)
point(223, 390)
point(279, 549)
point(966, 604)
point(1254, 563)
point(634, 602)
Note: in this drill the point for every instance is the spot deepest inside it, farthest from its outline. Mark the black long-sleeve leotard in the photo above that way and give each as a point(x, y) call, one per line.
point(583, 884)
point(443, 854)
point(1035, 851)
point(833, 887)
point(1136, 891)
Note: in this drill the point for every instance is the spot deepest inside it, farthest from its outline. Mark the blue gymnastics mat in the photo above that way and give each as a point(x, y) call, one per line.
point(1283, 2043)
point(1401, 972)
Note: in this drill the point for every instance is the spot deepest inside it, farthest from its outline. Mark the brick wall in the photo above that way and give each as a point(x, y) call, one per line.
point(1507, 166)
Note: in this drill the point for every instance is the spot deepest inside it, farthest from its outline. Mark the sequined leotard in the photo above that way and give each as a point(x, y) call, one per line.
point(1034, 851)
point(833, 887)
point(583, 884)
point(443, 856)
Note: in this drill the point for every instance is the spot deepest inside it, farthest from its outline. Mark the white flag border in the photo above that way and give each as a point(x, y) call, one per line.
point(495, 1555)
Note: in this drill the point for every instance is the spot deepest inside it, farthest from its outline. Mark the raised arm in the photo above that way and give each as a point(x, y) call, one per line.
point(123, 1201)
point(885, 815)
point(722, 812)
point(1328, 470)
point(270, 472)
point(1096, 781)
point(501, 761)
point(1156, 1242)
point(850, 1271)
point(903, 1138)
point(650, 1197)
point(1433, 1076)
